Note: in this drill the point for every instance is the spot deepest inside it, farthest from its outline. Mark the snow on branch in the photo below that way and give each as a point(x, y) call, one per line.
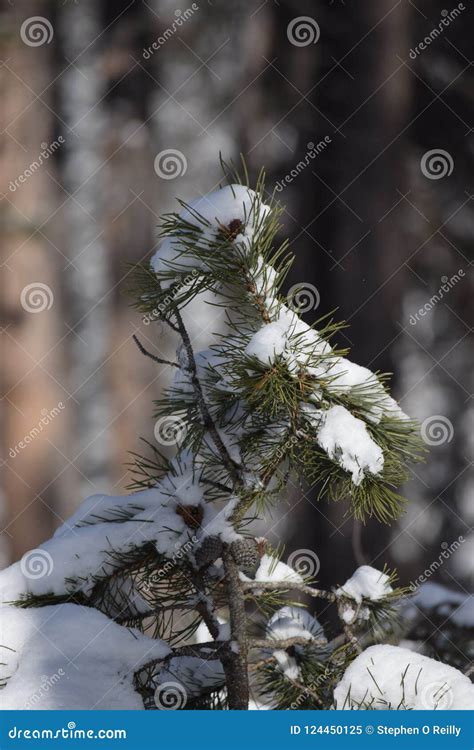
point(394, 678)
point(269, 397)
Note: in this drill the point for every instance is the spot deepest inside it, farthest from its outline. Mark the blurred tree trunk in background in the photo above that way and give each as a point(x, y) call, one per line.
point(348, 195)
point(86, 276)
point(435, 354)
point(368, 229)
point(29, 358)
point(338, 217)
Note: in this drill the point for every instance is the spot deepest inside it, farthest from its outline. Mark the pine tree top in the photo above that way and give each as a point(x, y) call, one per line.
point(270, 399)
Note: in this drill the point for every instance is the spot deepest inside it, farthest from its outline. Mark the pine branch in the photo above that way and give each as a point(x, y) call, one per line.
point(153, 356)
point(251, 419)
point(286, 586)
point(306, 690)
point(206, 651)
point(234, 470)
point(265, 643)
point(153, 612)
point(201, 605)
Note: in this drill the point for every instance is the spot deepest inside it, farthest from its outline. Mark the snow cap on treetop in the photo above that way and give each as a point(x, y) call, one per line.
point(231, 209)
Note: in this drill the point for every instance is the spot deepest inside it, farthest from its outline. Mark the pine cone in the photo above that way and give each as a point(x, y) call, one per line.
point(211, 578)
point(209, 551)
point(245, 554)
point(232, 230)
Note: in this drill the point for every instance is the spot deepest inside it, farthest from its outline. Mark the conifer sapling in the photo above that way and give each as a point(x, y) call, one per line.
point(218, 617)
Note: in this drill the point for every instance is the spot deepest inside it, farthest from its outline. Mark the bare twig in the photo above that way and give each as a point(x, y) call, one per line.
point(354, 642)
point(205, 651)
point(217, 485)
point(289, 586)
point(305, 689)
point(286, 642)
point(153, 612)
point(153, 356)
point(170, 325)
point(258, 298)
point(234, 469)
point(256, 665)
point(210, 620)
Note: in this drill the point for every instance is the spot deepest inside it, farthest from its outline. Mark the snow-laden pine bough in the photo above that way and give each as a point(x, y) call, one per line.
point(164, 598)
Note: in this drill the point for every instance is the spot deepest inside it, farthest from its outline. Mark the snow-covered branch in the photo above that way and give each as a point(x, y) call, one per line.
point(269, 397)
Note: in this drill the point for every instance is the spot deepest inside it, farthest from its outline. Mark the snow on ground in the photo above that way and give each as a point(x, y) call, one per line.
point(71, 657)
point(257, 705)
point(464, 614)
point(385, 677)
point(202, 634)
point(430, 597)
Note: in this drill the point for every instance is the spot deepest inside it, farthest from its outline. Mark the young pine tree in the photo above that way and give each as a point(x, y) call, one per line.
point(166, 596)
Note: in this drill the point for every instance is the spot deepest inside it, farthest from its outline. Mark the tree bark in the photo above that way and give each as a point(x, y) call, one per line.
point(234, 660)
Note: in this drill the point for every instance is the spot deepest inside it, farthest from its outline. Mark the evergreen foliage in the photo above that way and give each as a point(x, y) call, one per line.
point(247, 414)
